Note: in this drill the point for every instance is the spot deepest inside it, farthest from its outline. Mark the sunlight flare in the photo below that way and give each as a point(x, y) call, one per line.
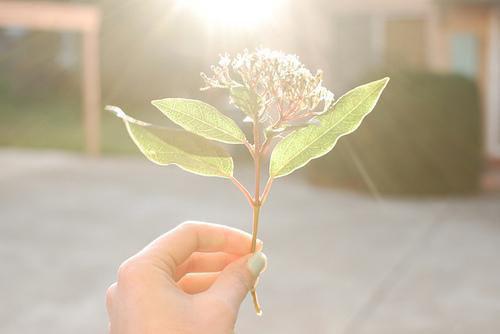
point(233, 13)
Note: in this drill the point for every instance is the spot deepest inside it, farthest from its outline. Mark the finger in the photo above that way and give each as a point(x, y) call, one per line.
point(238, 278)
point(204, 262)
point(175, 247)
point(194, 283)
point(110, 296)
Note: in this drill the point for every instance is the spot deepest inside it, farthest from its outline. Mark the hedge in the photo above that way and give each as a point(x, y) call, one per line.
point(423, 138)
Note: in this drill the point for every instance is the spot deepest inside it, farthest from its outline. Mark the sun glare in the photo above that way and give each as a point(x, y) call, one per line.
point(233, 13)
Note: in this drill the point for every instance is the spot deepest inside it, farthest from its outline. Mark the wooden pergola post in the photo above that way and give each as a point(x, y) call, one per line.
point(91, 92)
point(68, 17)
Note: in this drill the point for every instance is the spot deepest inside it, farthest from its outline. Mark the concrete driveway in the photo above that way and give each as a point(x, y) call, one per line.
point(340, 262)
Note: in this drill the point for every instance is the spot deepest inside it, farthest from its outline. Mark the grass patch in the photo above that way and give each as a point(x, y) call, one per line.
point(58, 124)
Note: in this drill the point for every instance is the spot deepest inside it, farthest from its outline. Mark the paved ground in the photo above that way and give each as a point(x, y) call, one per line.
point(339, 262)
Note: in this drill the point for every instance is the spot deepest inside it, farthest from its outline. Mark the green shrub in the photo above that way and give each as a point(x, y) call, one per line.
point(424, 138)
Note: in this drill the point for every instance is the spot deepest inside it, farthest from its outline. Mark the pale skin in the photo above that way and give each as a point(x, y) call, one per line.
point(190, 280)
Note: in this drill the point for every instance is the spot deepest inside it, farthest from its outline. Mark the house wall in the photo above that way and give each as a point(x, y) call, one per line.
point(382, 6)
point(368, 34)
point(483, 22)
point(406, 42)
point(492, 118)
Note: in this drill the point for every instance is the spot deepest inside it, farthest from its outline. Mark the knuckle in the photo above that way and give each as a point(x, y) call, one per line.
point(188, 224)
point(129, 271)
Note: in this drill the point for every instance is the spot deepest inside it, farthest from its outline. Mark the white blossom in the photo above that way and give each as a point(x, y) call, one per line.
point(290, 91)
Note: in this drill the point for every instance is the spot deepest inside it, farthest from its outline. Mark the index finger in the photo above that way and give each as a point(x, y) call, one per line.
point(175, 246)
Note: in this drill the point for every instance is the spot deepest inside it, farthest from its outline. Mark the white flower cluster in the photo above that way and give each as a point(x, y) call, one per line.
point(291, 93)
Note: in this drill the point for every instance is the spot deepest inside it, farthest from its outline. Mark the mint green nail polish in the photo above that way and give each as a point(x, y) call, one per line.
point(257, 263)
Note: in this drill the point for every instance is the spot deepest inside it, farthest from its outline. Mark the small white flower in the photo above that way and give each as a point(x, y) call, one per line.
point(290, 91)
point(224, 60)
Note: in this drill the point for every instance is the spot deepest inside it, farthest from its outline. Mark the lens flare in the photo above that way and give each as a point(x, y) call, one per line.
point(233, 13)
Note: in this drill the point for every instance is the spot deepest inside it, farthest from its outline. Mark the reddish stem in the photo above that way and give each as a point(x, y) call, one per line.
point(243, 190)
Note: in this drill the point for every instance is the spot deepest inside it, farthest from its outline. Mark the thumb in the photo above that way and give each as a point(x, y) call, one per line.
point(238, 278)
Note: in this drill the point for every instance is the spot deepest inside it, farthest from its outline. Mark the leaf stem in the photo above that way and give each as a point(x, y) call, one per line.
point(255, 229)
point(256, 203)
point(255, 226)
point(250, 148)
point(266, 191)
point(257, 156)
point(244, 190)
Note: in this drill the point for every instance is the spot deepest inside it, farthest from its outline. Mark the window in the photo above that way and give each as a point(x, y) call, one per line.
point(464, 54)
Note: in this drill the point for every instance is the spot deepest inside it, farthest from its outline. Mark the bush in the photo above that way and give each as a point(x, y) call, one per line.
point(424, 138)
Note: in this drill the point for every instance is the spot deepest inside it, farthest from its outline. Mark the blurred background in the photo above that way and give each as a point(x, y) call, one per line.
point(395, 231)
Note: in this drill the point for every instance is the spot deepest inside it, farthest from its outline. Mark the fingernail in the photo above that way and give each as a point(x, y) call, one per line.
point(257, 263)
point(260, 244)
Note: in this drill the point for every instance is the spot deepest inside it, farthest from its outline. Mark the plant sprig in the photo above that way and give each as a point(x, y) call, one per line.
point(293, 117)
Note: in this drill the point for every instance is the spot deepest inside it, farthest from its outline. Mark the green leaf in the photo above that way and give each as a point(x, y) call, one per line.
point(246, 100)
point(202, 119)
point(165, 146)
point(314, 141)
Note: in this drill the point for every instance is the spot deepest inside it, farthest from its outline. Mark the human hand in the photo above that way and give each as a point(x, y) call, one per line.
point(190, 280)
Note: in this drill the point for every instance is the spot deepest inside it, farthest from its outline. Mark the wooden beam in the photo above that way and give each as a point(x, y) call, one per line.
point(49, 15)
